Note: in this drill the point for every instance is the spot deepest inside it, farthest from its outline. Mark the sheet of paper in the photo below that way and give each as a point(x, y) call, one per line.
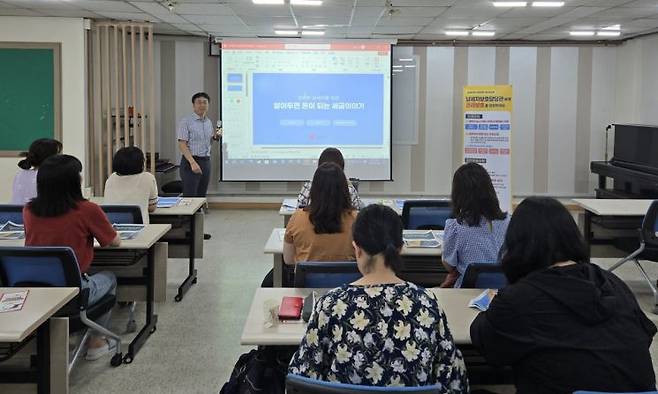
point(12, 302)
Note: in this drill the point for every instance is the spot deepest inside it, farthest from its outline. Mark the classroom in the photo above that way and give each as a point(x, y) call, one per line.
point(328, 196)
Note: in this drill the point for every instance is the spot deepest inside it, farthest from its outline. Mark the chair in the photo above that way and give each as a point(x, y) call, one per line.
point(123, 214)
point(605, 392)
point(355, 183)
point(11, 212)
point(58, 267)
point(425, 214)
point(648, 249)
point(296, 384)
point(484, 276)
point(325, 274)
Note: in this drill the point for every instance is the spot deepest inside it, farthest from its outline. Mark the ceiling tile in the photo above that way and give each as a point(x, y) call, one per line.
point(18, 12)
point(36, 4)
point(397, 29)
point(132, 16)
point(104, 5)
point(259, 10)
point(214, 19)
point(421, 11)
point(403, 21)
point(79, 13)
point(269, 21)
point(203, 9)
point(622, 12)
point(322, 11)
point(224, 27)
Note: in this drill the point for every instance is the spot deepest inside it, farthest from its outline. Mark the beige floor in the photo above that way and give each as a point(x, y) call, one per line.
point(197, 341)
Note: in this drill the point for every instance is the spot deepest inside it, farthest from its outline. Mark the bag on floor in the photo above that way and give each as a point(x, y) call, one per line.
point(257, 372)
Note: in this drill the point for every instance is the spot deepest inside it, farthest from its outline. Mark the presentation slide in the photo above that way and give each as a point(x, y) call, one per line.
point(283, 102)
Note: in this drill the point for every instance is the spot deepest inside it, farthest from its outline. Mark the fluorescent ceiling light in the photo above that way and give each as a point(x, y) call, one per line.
point(608, 33)
point(312, 32)
point(548, 3)
point(397, 66)
point(510, 3)
point(581, 33)
point(456, 33)
point(267, 1)
point(483, 33)
point(616, 27)
point(406, 59)
point(306, 2)
point(410, 66)
point(286, 32)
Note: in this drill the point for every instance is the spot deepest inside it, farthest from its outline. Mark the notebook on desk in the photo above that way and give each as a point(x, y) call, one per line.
point(424, 239)
point(128, 231)
point(168, 202)
point(11, 230)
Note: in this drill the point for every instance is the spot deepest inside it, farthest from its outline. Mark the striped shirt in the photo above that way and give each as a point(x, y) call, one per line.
point(198, 133)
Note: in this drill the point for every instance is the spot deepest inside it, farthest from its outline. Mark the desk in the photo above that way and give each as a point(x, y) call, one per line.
point(289, 205)
point(453, 302)
point(274, 246)
point(609, 207)
point(52, 334)
point(145, 240)
point(185, 211)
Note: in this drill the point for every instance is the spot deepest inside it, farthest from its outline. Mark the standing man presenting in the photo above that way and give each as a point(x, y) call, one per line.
point(195, 136)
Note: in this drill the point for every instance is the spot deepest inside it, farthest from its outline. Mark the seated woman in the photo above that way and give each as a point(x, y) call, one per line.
point(129, 184)
point(380, 330)
point(25, 182)
point(60, 216)
point(478, 229)
point(329, 155)
point(562, 323)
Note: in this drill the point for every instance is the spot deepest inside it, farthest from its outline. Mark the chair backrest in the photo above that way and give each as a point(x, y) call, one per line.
point(325, 274)
point(296, 384)
point(11, 212)
point(123, 214)
point(426, 214)
point(39, 267)
point(355, 183)
point(606, 392)
point(484, 276)
point(650, 225)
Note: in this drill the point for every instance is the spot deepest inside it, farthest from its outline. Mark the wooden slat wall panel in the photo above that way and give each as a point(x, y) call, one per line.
point(123, 76)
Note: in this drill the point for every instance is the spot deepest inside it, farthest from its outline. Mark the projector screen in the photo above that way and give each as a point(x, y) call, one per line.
point(283, 102)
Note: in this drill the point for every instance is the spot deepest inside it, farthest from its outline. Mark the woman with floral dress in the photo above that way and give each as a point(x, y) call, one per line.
point(380, 330)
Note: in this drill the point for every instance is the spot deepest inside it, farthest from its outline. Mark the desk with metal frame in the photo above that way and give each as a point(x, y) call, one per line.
point(51, 374)
point(146, 239)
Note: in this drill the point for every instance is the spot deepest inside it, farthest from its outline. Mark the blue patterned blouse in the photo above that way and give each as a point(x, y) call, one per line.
point(382, 335)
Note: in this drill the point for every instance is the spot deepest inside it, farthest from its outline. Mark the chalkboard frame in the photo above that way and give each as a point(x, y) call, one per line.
point(57, 79)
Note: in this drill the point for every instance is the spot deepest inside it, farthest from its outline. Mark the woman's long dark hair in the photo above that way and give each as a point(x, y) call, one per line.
point(473, 196)
point(58, 186)
point(541, 233)
point(378, 229)
point(40, 150)
point(329, 199)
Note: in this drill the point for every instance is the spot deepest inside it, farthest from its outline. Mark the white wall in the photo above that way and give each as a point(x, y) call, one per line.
point(637, 81)
point(70, 33)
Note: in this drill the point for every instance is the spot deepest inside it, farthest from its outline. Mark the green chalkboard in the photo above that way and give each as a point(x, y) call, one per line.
point(29, 96)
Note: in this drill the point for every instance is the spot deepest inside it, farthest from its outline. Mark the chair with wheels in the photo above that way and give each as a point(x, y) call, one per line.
point(484, 276)
point(296, 384)
point(426, 214)
point(58, 267)
point(648, 249)
point(122, 214)
point(325, 274)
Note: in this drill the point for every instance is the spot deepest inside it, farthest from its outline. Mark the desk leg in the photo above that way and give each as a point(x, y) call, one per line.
point(587, 231)
point(286, 219)
point(151, 318)
point(277, 270)
point(191, 277)
point(59, 352)
point(43, 358)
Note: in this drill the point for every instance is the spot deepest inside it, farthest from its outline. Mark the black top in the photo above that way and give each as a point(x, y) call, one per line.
point(568, 328)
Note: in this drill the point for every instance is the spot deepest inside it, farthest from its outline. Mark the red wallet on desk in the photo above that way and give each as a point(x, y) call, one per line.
point(291, 308)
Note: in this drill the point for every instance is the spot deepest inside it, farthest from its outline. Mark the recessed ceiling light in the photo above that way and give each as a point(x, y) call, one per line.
point(312, 32)
point(608, 33)
point(510, 3)
point(267, 1)
point(483, 33)
point(286, 32)
point(548, 3)
point(581, 33)
point(456, 33)
point(616, 27)
point(306, 2)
